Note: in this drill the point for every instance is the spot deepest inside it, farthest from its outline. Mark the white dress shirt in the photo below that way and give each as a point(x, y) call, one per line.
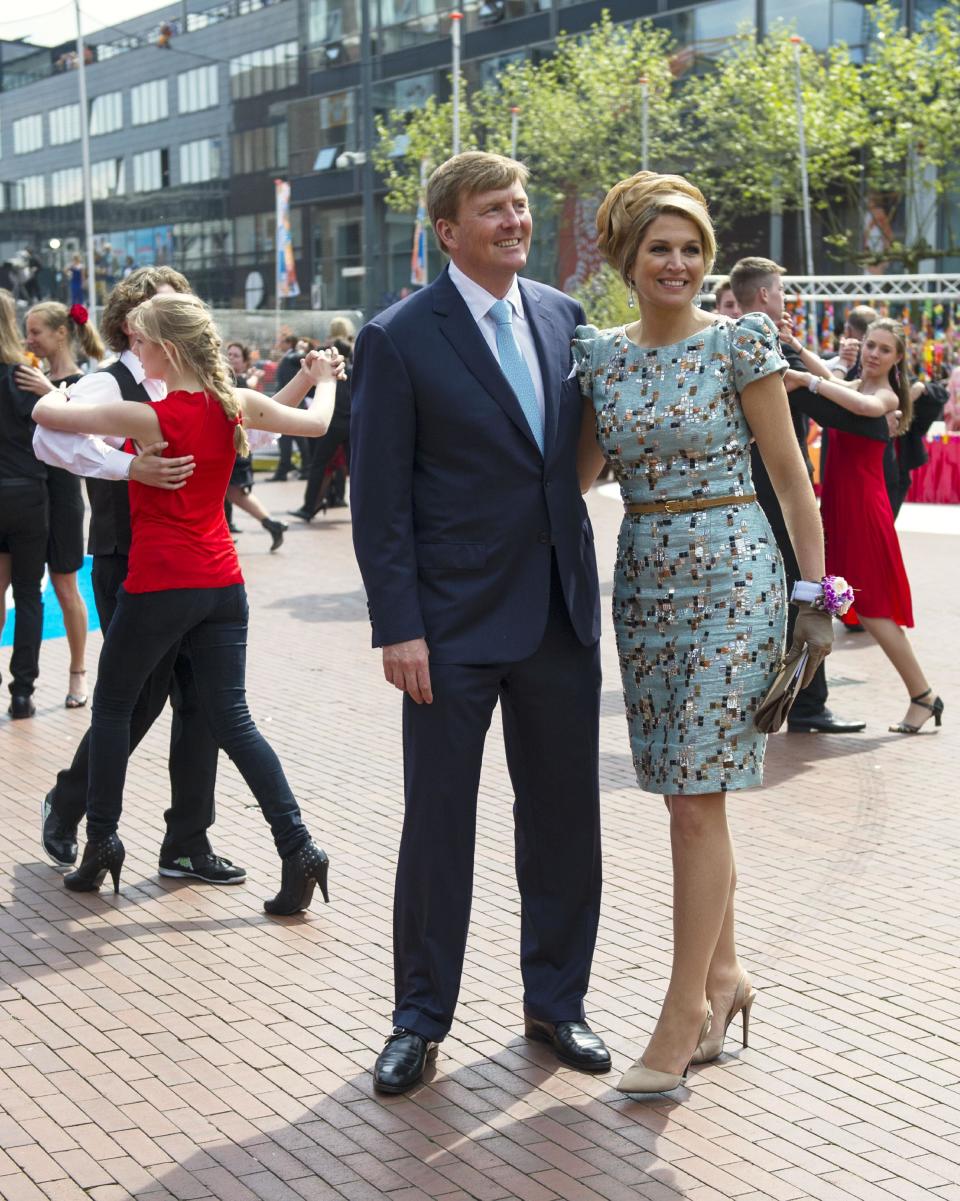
point(103, 457)
point(479, 301)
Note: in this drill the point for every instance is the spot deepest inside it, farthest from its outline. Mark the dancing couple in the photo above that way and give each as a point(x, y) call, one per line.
point(474, 433)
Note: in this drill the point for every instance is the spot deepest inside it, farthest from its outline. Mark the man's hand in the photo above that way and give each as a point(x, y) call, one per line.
point(849, 349)
point(32, 379)
point(406, 666)
point(322, 365)
point(894, 417)
point(149, 468)
point(787, 336)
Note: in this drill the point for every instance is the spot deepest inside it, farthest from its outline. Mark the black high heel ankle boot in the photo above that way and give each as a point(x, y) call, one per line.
point(98, 859)
point(302, 870)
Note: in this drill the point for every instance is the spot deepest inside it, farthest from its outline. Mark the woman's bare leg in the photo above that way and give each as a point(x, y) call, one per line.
point(703, 869)
point(75, 620)
point(895, 644)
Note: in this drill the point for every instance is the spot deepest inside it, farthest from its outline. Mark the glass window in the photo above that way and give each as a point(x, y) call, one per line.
point(269, 70)
point(64, 124)
point(106, 113)
point(329, 20)
point(106, 178)
point(149, 102)
point(716, 23)
point(28, 135)
point(199, 160)
point(151, 171)
point(259, 149)
point(66, 186)
point(197, 89)
point(30, 192)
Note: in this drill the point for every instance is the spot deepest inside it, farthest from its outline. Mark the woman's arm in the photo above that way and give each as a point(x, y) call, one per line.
point(877, 404)
point(123, 418)
point(265, 413)
point(589, 455)
point(767, 412)
point(294, 391)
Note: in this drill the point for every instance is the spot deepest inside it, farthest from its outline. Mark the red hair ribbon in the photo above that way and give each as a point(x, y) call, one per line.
point(78, 314)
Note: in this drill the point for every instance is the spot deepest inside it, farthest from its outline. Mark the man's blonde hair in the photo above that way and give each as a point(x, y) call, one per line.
point(182, 325)
point(468, 174)
point(749, 275)
point(632, 205)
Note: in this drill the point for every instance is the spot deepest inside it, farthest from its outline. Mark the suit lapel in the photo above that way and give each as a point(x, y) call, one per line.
point(461, 331)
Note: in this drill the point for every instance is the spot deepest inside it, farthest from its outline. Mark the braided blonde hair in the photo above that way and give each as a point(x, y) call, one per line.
point(631, 206)
point(182, 324)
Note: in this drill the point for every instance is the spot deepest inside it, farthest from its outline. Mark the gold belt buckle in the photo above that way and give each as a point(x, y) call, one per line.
point(667, 507)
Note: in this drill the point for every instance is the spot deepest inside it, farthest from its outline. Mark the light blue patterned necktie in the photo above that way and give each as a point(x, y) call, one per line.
point(514, 367)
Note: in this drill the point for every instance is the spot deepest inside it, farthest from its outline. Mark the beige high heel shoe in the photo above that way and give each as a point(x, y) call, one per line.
point(641, 1079)
point(743, 999)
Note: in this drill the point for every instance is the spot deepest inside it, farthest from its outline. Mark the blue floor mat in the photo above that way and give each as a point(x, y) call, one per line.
point(52, 617)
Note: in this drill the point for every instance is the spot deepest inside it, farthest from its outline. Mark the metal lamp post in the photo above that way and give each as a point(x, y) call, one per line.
point(85, 158)
point(797, 42)
point(455, 19)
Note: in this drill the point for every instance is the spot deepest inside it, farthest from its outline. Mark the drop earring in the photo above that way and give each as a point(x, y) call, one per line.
point(631, 296)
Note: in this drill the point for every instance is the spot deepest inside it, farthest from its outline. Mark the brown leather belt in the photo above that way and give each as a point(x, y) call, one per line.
point(690, 504)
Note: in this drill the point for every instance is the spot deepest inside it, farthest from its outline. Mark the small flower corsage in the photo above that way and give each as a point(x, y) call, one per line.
point(833, 594)
point(837, 595)
point(79, 314)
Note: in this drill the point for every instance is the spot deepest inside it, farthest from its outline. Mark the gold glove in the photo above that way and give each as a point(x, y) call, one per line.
point(813, 630)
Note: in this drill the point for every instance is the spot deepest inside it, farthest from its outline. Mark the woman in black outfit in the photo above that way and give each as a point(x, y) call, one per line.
point(54, 333)
point(23, 516)
point(326, 447)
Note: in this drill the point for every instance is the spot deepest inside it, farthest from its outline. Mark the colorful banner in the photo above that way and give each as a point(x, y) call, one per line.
point(287, 286)
point(418, 255)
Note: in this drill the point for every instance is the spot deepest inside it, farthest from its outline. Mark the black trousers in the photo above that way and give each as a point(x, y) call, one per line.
point(550, 704)
point(323, 450)
point(24, 512)
point(193, 748)
point(212, 623)
point(812, 700)
point(285, 446)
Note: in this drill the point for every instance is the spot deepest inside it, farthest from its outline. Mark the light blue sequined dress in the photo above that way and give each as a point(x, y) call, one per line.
point(698, 597)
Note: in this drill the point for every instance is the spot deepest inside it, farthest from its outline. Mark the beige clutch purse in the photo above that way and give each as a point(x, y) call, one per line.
point(775, 706)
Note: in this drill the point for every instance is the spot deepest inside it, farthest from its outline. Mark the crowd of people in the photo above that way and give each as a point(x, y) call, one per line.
point(479, 411)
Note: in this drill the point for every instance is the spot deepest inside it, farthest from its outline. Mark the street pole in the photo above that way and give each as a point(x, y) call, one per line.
point(371, 241)
point(804, 181)
point(514, 129)
point(644, 122)
point(455, 19)
point(87, 183)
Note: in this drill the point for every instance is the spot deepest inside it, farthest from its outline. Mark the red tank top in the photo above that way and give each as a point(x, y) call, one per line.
point(180, 538)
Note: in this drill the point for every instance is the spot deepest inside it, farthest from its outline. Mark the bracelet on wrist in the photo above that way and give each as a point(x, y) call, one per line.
point(813, 383)
point(833, 594)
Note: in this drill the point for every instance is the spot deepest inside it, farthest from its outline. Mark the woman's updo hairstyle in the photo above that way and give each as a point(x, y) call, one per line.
point(633, 204)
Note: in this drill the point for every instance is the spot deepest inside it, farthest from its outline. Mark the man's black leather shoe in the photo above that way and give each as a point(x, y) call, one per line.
point(21, 706)
point(574, 1042)
point(57, 837)
point(401, 1062)
point(823, 723)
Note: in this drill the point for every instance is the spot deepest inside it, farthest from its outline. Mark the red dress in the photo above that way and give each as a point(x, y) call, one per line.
point(860, 538)
point(180, 538)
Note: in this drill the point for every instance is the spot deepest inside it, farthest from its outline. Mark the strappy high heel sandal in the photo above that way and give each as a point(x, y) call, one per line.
point(936, 708)
point(712, 1048)
point(76, 699)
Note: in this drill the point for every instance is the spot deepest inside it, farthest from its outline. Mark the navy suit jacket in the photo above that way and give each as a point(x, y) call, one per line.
point(455, 511)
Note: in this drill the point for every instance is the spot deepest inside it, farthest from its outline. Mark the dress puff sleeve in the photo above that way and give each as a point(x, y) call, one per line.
point(754, 349)
point(584, 338)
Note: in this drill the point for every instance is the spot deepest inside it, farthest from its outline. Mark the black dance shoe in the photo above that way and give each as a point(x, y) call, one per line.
point(21, 706)
point(276, 530)
point(400, 1064)
point(57, 837)
point(98, 859)
point(823, 723)
point(305, 868)
point(574, 1043)
point(303, 513)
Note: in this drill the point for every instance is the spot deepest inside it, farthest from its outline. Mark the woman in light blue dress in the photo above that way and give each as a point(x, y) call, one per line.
point(672, 401)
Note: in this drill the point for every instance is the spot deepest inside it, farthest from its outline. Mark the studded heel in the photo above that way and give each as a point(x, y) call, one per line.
point(98, 859)
point(302, 871)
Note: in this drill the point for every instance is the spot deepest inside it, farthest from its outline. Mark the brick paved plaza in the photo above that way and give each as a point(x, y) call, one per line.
point(176, 1042)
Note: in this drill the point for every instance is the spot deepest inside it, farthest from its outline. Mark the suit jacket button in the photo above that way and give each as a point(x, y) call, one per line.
point(543, 538)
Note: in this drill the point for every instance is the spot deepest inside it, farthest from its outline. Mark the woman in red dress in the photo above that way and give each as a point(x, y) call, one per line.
point(184, 581)
point(860, 538)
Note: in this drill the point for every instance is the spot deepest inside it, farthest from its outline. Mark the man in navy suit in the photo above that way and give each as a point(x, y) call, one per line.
point(477, 556)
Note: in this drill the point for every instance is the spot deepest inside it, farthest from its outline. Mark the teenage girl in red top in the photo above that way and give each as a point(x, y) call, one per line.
point(184, 578)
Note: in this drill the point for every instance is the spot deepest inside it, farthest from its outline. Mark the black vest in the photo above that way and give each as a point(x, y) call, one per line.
point(109, 502)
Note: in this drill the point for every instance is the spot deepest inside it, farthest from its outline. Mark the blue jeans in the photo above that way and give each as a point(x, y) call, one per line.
point(212, 623)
